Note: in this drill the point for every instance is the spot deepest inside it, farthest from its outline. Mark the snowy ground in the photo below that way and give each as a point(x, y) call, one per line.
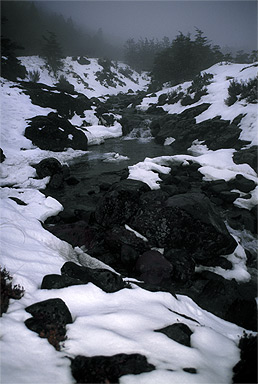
point(83, 77)
point(103, 324)
point(217, 94)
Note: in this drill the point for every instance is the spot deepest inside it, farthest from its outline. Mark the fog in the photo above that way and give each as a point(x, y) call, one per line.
point(226, 23)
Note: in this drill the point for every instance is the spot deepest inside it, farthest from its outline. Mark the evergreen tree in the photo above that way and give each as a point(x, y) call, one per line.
point(52, 52)
point(241, 57)
point(11, 67)
point(184, 59)
point(254, 56)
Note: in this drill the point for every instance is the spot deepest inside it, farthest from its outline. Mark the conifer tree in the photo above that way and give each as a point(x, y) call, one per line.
point(52, 52)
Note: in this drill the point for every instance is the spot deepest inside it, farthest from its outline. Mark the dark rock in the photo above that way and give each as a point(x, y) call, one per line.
point(55, 134)
point(72, 180)
point(216, 133)
point(156, 110)
point(49, 320)
point(2, 156)
point(51, 310)
point(153, 268)
point(65, 104)
point(129, 256)
point(76, 234)
point(56, 181)
point(186, 221)
point(120, 203)
point(192, 112)
point(245, 371)
point(58, 281)
point(108, 369)
point(244, 310)
point(225, 298)
point(242, 184)
point(229, 197)
point(183, 264)
point(83, 61)
point(162, 99)
point(200, 209)
point(190, 370)
point(218, 262)
point(107, 280)
point(48, 167)
point(178, 332)
point(240, 218)
point(217, 186)
point(119, 236)
point(18, 201)
point(247, 156)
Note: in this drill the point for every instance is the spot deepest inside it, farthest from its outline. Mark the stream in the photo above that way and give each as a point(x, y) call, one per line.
point(105, 164)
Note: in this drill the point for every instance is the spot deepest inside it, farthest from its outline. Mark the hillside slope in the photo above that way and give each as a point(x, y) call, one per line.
point(92, 77)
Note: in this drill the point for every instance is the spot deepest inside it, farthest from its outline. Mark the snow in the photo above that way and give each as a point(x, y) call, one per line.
point(103, 323)
point(83, 77)
point(217, 94)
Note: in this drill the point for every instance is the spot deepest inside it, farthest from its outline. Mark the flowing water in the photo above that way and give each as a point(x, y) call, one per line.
point(117, 154)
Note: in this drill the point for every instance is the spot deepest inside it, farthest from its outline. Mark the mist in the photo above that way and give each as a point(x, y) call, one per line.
point(226, 23)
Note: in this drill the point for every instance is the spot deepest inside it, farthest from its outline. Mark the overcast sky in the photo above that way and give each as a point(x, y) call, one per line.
point(227, 23)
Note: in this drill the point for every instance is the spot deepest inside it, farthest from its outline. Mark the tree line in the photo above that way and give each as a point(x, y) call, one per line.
point(37, 32)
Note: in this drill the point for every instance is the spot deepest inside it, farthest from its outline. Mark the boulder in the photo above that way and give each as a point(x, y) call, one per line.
point(49, 320)
point(224, 298)
point(247, 156)
point(186, 221)
point(182, 263)
point(108, 369)
point(242, 184)
point(178, 332)
point(77, 234)
point(116, 237)
point(48, 167)
point(57, 281)
point(2, 156)
point(83, 60)
point(54, 133)
point(107, 280)
point(120, 203)
point(153, 268)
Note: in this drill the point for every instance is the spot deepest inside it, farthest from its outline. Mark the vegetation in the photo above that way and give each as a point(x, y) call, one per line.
point(64, 85)
point(8, 291)
point(184, 59)
point(52, 52)
point(242, 90)
point(141, 55)
point(11, 67)
point(34, 76)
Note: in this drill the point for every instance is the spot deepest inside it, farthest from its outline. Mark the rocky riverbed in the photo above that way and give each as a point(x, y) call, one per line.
point(145, 243)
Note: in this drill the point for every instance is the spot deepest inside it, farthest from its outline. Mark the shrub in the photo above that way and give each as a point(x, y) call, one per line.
point(245, 371)
point(200, 81)
point(64, 85)
point(242, 90)
point(7, 291)
point(52, 52)
point(174, 97)
point(34, 76)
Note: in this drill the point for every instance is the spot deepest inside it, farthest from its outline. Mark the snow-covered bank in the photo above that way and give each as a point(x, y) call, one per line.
point(217, 93)
point(104, 323)
point(84, 77)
